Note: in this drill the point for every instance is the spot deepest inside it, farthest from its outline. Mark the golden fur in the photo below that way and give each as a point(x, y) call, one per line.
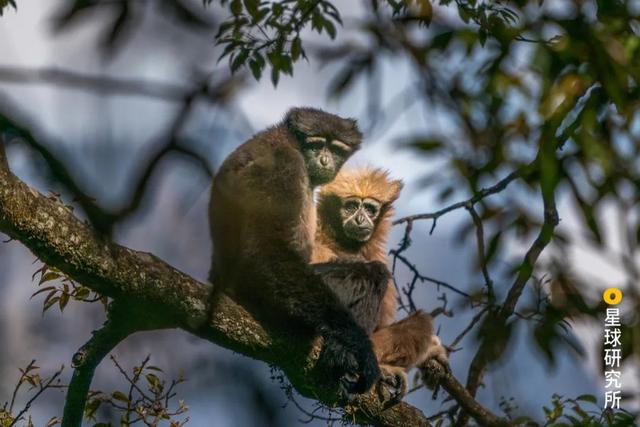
point(371, 183)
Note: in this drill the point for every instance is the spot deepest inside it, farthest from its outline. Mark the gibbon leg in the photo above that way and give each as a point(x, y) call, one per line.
point(404, 345)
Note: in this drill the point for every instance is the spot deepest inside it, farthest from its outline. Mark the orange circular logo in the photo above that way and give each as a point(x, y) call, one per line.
point(612, 296)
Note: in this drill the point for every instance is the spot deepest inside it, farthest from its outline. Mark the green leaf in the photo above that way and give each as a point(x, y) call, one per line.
point(275, 76)
point(317, 22)
point(255, 68)
point(441, 41)
point(91, 408)
point(482, 36)
point(262, 13)
point(51, 275)
point(427, 144)
point(236, 7)
point(81, 293)
point(153, 380)
point(296, 48)
point(47, 305)
point(286, 65)
point(45, 289)
point(252, 7)
point(276, 9)
point(239, 60)
point(53, 421)
point(228, 48)
point(49, 296)
point(464, 14)
point(588, 398)
point(259, 59)
point(224, 27)
point(64, 300)
point(118, 395)
point(331, 29)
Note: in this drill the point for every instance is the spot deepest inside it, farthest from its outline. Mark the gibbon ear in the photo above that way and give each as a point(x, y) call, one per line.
point(395, 187)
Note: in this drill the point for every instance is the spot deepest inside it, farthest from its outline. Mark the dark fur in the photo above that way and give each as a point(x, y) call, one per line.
point(360, 286)
point(313, 122)
point(261, 198)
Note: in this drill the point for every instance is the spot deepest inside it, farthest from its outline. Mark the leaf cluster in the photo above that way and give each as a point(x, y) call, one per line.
point(147, 400)
point(63, 290)
point(36, 384)
point(267, 34)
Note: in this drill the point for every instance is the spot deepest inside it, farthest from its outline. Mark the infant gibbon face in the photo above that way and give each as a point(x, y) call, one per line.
point(359, 217)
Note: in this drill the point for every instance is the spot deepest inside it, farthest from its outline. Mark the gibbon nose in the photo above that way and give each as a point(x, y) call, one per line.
point(324, 160)
point(360, 219)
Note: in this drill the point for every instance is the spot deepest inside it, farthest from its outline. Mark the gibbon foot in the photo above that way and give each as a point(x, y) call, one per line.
point(350, 358)
point(347, 382)
point(431, 375)
point(393, 380)
point(438, 352)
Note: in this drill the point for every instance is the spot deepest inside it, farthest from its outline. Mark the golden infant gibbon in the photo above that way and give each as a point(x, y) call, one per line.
point(354, 221)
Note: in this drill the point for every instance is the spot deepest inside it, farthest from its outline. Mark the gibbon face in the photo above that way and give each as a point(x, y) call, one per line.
point(324, 158)
point(326, 141)
point(356, 207)
point(359, 217)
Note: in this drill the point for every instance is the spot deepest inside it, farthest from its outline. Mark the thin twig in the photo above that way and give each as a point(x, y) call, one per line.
point(35, 396)
point(470, 326)
point(20, 382)
point(424, 278)
point(481, 250)
point(496, 188)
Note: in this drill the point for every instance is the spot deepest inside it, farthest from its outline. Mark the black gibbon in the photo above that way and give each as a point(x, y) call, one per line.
point(354, 220)
point(263, 221)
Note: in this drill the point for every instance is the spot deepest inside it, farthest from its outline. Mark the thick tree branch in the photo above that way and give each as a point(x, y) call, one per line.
point(149, 286)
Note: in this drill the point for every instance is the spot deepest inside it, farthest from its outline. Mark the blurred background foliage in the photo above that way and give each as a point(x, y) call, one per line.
point(530, 113)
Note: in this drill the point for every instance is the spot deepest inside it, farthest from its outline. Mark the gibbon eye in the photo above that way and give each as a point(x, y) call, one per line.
point(315, 141)
point(371, 209)
point(339, 147)
point(351, 205)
